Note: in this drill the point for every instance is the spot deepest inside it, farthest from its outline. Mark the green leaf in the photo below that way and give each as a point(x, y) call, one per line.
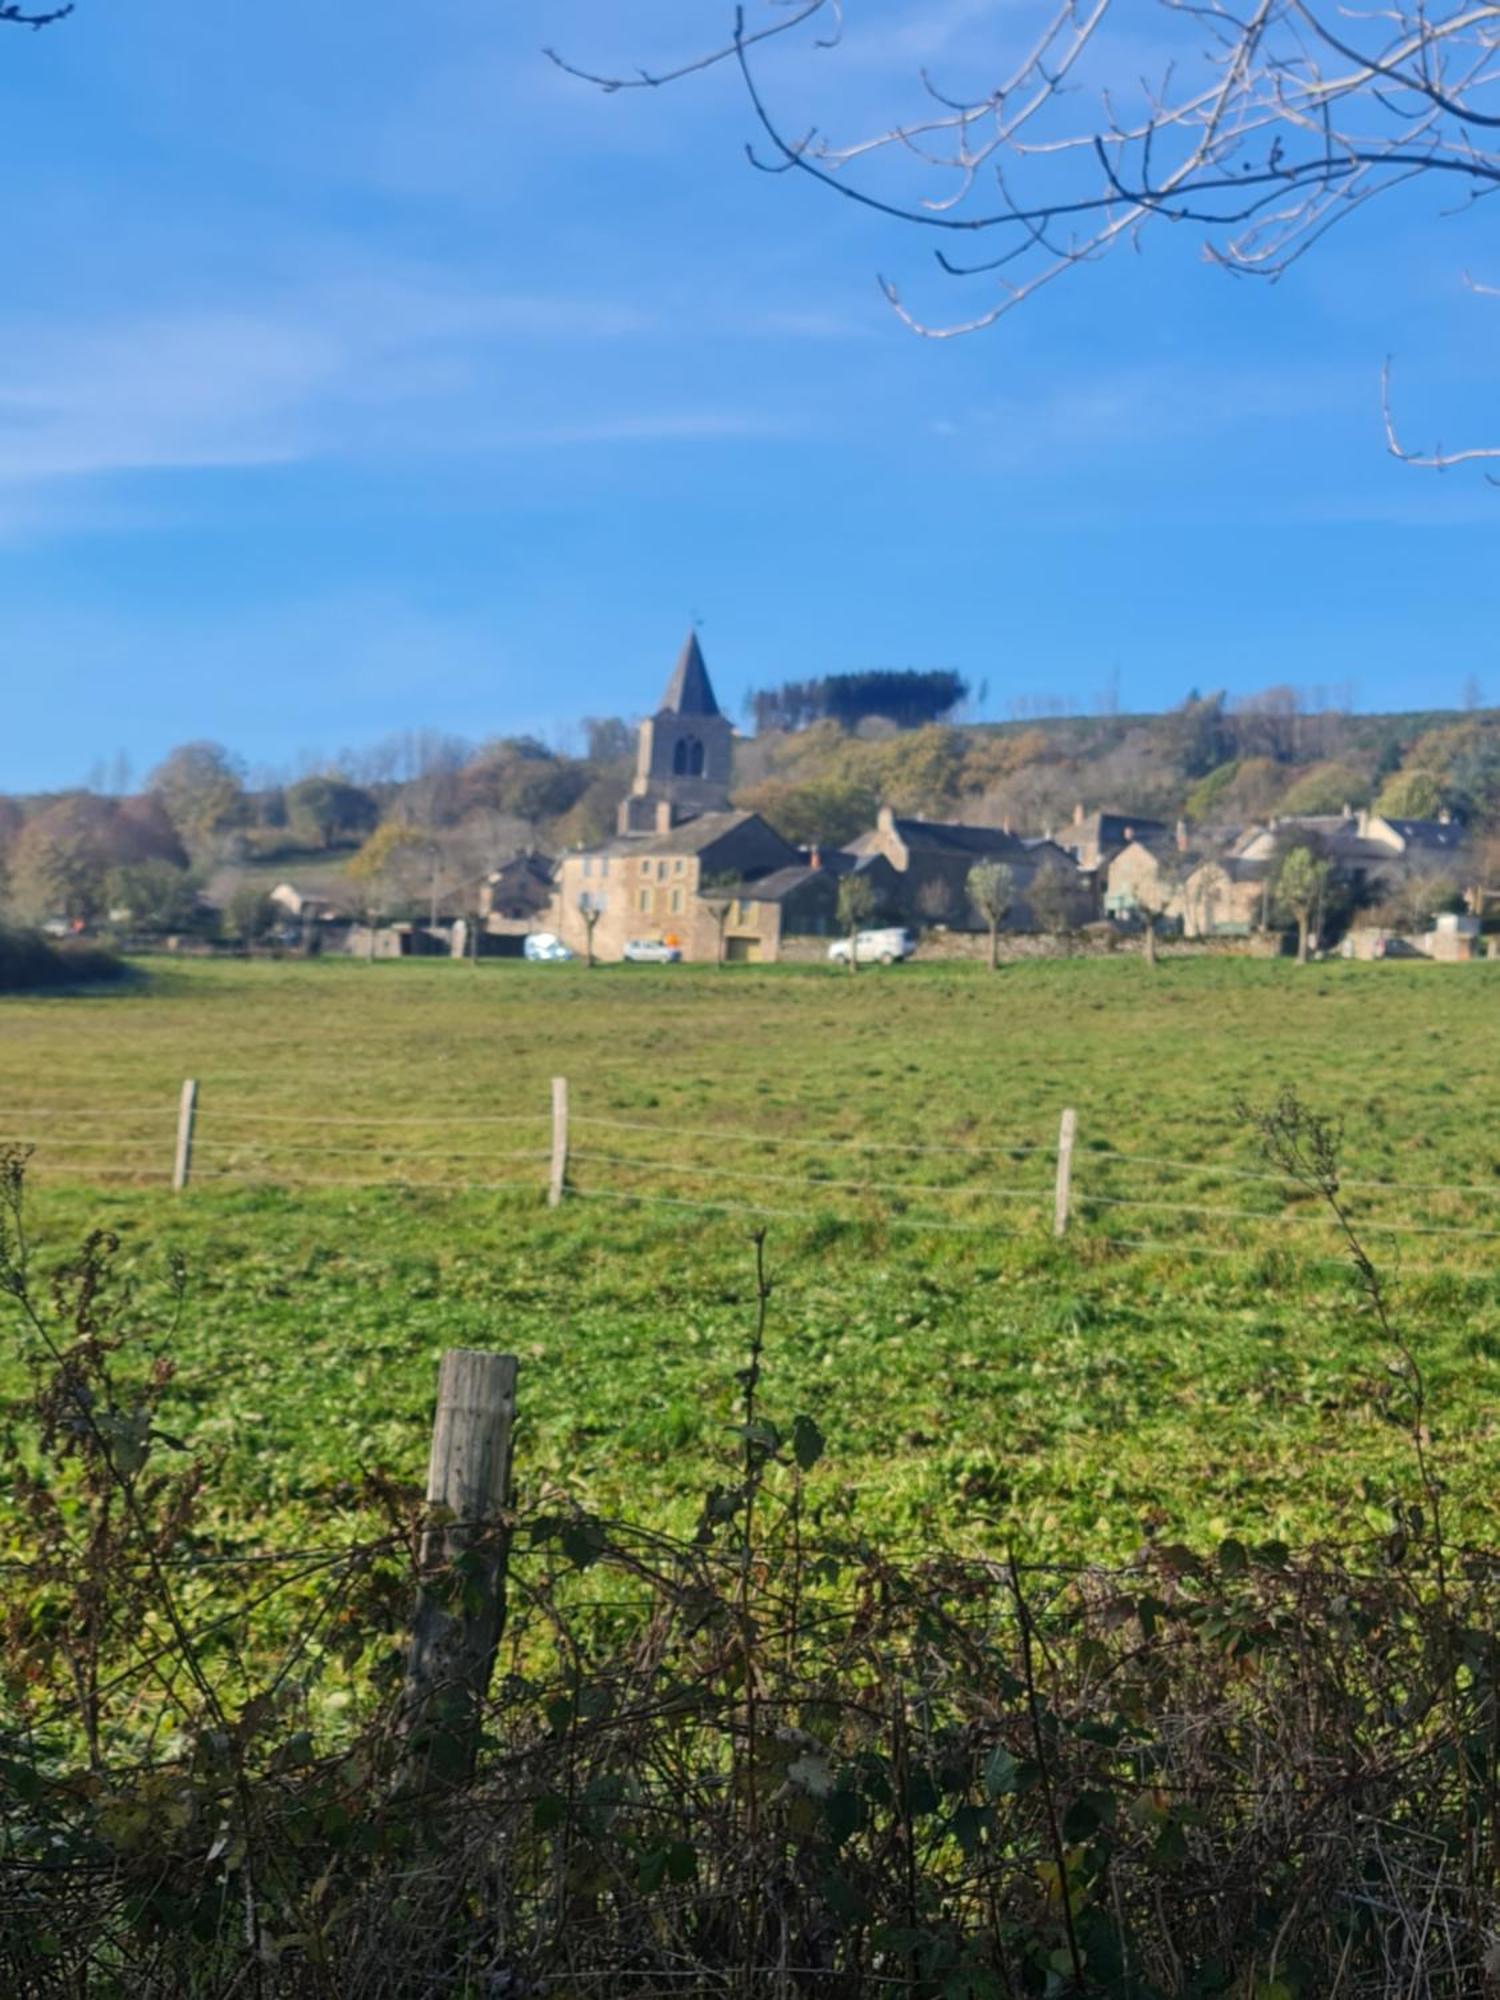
point(1001, 1772)
point(682, 1861)
point(808, 1443)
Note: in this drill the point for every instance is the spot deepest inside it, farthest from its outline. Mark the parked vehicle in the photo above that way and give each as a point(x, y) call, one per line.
point(545, 947)
point(651, 951)
point(887, 947)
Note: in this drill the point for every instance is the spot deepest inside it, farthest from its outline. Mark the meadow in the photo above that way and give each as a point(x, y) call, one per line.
point(1193, 1360)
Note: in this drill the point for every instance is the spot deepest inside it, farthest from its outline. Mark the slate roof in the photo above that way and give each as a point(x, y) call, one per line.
point(691, 836)
point(1111, 829)
point(689, 691)
point(1445, 835)
point(781, 883)
point(935, 836)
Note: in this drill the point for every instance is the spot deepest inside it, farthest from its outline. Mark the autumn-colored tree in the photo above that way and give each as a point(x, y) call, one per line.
point(202, 788)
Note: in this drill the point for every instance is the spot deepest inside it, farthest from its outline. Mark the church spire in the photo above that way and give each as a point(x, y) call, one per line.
point(690, 691)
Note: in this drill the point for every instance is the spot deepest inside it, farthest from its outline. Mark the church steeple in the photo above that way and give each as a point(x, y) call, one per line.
point(686, 751)
point(689, 691)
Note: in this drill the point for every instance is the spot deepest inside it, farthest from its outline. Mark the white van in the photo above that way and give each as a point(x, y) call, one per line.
point(888, 947)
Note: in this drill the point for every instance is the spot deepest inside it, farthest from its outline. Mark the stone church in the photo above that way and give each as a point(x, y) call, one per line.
point(684, 866)
point(685, 753)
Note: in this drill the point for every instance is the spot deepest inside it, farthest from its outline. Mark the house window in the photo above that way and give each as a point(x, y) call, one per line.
point(743, 913)
point(676, 902)
point(678, 865)
point(645, 867)
point(646, 899)
point(661, 871)
point(588, 865)
point(604, 864)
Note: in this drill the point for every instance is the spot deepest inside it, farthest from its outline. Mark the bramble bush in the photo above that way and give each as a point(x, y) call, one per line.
point(768, 1757)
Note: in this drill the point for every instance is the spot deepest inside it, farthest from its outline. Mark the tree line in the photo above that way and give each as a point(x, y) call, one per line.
point(907, 697)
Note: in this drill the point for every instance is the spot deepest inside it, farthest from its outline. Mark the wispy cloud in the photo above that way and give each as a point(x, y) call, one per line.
point(328, 371)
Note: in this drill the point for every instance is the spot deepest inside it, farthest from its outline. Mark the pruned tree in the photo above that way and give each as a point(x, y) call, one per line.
point(716, 894)
point(590, 910)
point(1262, 129)
point(1157, 894)
point(856, 906)
point(992, 891)
point(1300, 883)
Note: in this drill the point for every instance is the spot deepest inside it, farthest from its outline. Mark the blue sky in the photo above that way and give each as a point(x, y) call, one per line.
point(362, 373)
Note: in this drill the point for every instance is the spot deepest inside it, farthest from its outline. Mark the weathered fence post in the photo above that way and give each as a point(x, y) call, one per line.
point(1064, 1171)
point(461, 1610)
point(559, 1141)
point(182, 1159)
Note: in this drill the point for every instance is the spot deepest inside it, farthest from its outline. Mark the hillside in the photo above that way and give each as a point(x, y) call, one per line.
point(463, 810)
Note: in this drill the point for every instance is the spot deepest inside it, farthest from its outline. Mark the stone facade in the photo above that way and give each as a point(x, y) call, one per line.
point(684, 756)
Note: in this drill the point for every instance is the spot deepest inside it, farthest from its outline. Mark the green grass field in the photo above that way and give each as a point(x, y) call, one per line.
point(362, 1198)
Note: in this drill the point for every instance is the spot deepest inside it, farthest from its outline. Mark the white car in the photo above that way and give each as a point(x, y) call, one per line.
point(888, 947)
point(545, 947)
point(651, 951)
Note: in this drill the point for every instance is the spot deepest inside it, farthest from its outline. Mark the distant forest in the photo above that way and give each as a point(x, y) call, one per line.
point(907, 697)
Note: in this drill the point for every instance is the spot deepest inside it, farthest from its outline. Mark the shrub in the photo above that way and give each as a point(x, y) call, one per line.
point(29, 961)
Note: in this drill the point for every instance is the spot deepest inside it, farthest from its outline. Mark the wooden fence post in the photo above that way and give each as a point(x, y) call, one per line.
point(182, 1159)
point(559, 1141)
point(1064, 1171)
point(460, 1612)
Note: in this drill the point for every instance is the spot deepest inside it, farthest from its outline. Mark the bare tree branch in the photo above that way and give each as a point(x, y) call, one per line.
point(1268, 125)
point(20, 17)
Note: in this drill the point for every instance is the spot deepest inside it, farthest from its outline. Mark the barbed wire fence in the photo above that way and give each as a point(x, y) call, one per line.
point(1077, 1186)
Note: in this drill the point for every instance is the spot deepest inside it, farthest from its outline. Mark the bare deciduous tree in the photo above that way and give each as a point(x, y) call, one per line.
point(1264, 127)
point(17, 16)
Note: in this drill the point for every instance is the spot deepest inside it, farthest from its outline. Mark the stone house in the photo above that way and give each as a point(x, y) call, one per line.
point(1223, 896)
point(1146, 876)
point(515, 895)
point(929, 862)
point(1094, 839)
point(654, 885)
point(1370, 850)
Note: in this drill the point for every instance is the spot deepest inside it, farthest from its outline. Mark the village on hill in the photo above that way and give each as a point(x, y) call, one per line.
point(712, 882)
point(700, 844)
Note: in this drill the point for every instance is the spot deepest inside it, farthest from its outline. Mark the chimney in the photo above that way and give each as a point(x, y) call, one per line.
point(815, 857)
point(885, 819)
point(664, 815)
point(1182, 836)
point(1129, 835)
point(1078, 814)
point(1005, 825)
point(1445, 817)
point(1362, 823)
point(1348, 810)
